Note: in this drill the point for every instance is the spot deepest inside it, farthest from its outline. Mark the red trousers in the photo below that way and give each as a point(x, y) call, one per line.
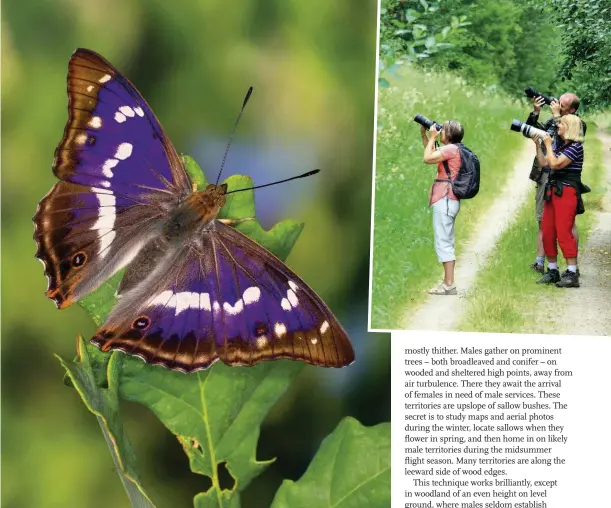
point(557, 224)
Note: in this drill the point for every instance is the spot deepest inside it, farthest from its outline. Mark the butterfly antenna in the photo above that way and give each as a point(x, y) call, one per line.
point(235, 126)
point(309, 173)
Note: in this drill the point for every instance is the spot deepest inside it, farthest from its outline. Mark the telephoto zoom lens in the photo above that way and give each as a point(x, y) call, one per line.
point(531, 92)
point(426, 123)
point(526, 129)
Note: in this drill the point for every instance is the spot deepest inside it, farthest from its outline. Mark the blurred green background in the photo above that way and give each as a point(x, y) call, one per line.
point(312, 65)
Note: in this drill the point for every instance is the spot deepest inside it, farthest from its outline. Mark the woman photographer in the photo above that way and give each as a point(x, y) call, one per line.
point(562, 196)
point(445, 204)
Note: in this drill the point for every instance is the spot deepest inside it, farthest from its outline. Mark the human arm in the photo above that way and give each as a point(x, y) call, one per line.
point(425, 138)
point(555, 163)
point(432, 156)
point(533, 118)
point(540, 155)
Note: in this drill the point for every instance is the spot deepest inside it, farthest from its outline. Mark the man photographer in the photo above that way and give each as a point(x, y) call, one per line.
point(566, 104)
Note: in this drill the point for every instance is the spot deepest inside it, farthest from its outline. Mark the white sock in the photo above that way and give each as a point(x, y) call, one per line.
point(552, 266)
point(540, 260)
point(572, 268)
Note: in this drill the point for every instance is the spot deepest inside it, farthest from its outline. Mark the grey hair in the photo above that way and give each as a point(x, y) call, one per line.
point(454, 131)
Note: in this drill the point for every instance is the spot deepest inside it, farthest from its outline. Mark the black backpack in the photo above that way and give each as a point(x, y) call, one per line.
point(466, 183)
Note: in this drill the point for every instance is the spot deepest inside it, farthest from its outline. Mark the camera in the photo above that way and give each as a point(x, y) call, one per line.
point(531, 92)
point(526, 129)
point(426, 123)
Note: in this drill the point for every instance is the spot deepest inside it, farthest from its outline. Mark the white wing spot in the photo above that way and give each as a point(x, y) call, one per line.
point(324, 327)
point(204, 301)
point(251, 295)
point(292, 298)
point(89, 88)
point(314, 340)
point(105, 78)
point(285, 304)
point(81, 139)
point(120, 117)
point(216, 306)
point(186, 300)
point(261, 341)
point(124, 151)
point(162, 298)
point(106, 221)
point(127, 111)
point(293, 286)
point(232, 310)
point(108, 165)
point(95, 122)
point(280, 330)
point(139, 111)
point(104, 183)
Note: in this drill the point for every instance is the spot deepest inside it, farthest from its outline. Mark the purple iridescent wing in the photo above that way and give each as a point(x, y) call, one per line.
point(227, 298)
point(120, 175)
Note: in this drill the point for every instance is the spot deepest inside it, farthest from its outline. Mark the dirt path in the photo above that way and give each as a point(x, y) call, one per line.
point(591, 303)
point(444, 312)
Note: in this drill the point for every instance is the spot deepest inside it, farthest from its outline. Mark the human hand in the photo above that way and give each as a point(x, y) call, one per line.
point(538, 103)
point(547, 139)
point(555, 107)
point(534, 136)
point(422, 130)
point(434, 132)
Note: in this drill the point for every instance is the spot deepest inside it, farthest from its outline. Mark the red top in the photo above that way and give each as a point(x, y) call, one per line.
point(450, 153)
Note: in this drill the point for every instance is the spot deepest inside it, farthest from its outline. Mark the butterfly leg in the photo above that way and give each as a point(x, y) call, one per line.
point(234, 222)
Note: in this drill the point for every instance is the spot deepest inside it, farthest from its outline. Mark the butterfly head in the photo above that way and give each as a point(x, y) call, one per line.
point(208, 202)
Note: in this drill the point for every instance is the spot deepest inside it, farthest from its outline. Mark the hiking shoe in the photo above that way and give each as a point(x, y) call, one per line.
point(578, 274)
point(551, 277)
point(443, 289)
point(568, 280)
point(537, 267)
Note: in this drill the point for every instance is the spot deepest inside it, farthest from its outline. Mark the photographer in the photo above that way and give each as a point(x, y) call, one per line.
point(442, 199)
point(562, 195)
point(567, 104)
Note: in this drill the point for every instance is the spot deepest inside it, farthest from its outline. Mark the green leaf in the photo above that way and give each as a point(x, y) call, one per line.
point(104, 404)
point(383, 82)
point(215, 414)
point(350, 470)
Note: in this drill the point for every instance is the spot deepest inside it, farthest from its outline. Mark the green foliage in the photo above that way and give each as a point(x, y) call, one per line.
point(586, 38)
point(104, 404)
point(407, 33)
point(350, 470)
point(404, 260)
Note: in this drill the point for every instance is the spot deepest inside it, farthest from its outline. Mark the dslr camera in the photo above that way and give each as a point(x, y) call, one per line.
point(531, 92)
point(426, 123)
point(526, 129)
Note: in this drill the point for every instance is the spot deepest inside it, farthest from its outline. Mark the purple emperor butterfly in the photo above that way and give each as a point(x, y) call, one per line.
point(195, 290)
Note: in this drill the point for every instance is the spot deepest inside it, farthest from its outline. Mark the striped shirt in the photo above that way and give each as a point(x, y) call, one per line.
point(574, 151)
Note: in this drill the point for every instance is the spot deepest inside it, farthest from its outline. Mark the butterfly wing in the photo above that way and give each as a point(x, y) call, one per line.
point(224, 297)
point(119, 174)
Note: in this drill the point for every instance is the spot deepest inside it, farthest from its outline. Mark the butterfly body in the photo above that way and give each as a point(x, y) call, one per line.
point(195, 290)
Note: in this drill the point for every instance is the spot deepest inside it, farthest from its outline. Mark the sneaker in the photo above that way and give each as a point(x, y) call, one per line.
point(578, 274)
point(568, 280)
point(443, 289)
point(551, 276)
point(537, 267)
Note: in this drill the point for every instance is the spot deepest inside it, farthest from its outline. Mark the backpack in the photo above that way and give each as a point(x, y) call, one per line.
point(466, 183)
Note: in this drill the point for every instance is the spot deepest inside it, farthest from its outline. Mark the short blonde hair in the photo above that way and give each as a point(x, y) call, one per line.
point(574, 128)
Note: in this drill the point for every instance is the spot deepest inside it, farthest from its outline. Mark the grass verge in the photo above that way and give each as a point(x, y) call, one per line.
point(505, 297)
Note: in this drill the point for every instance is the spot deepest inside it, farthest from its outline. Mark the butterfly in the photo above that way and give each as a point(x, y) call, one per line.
point(195, 289)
